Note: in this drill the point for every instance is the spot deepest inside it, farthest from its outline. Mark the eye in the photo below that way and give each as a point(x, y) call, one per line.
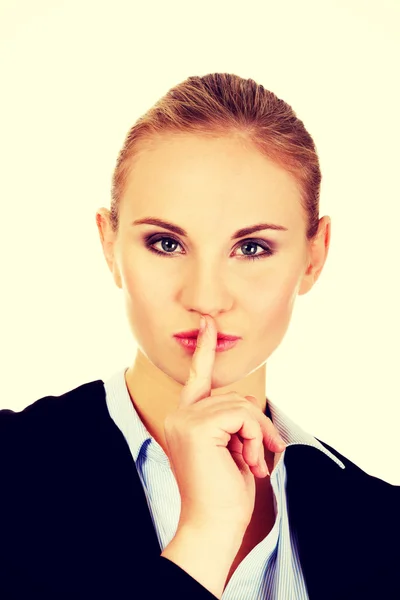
point(150, 241)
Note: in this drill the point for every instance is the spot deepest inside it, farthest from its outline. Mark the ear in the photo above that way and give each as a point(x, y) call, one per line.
point(317, 254)
point(108, 240)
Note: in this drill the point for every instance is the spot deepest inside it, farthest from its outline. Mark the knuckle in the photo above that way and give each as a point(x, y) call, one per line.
point(242, 410)
point(242, 403)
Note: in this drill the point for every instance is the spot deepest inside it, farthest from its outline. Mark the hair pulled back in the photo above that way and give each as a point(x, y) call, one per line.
point(220, 104)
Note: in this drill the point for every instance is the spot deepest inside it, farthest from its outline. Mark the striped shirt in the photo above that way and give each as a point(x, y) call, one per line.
point(272, 570)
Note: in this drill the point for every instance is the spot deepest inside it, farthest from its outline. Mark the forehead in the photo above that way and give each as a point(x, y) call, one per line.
point(181, 175)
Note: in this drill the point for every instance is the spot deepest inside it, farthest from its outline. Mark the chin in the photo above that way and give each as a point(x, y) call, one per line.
point(224, 378)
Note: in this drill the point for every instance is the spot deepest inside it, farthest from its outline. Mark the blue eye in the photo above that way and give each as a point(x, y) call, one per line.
point(150, 241)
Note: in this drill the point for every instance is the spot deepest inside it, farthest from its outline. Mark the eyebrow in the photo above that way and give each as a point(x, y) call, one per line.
point(179, 231)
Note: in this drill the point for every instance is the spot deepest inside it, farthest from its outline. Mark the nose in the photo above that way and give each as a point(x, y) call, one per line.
point(205, 291)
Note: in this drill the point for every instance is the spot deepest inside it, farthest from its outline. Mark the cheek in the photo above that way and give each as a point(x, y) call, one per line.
point(271, 310)
point(140, 296)
point(273, 299)
point(145, 289)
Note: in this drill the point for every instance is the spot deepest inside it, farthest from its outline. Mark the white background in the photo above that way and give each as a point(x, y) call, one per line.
point(75, 76)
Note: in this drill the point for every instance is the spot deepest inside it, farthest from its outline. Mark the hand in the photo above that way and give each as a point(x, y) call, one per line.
point(213, 469)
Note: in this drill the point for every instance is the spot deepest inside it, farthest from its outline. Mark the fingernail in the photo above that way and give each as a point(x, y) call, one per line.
point(203, 324)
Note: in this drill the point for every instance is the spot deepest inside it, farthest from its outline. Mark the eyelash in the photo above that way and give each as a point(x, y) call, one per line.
point(149, 241)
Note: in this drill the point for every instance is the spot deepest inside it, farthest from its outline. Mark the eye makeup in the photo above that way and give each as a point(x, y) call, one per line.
point(151, 239)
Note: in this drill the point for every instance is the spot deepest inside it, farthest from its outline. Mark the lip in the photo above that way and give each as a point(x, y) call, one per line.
point(193, 334)
point(190, 344)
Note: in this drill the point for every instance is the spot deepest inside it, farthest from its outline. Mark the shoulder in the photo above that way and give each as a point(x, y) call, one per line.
point(53, 403)
point(51, 414)
point(354, 473)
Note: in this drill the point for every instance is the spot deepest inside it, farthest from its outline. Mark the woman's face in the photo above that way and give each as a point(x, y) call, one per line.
point(210, 188)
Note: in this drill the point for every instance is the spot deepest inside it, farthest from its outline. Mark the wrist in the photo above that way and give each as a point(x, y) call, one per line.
point(206, 554)
point(218, 535)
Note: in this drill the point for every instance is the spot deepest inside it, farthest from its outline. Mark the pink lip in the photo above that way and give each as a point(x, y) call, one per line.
point(189, 344)
point(193, 334)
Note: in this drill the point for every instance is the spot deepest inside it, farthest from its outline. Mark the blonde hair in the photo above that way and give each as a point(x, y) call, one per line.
point(221, 104)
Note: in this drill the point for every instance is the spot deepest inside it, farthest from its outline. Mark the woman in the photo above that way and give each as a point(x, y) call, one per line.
point(177, 477)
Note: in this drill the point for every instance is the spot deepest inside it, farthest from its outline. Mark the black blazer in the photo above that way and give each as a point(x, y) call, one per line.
point(75, 522)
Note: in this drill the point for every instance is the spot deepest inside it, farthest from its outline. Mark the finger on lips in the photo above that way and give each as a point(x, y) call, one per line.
point(198, 387)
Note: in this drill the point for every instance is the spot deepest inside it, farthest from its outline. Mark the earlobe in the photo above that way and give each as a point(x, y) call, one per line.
point(117, 276)
point(306, 284)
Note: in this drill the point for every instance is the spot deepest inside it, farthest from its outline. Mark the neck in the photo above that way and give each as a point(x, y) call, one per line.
point(155, 394)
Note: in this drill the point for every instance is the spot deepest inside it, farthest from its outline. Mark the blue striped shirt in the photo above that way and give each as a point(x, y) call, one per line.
point(272, 570)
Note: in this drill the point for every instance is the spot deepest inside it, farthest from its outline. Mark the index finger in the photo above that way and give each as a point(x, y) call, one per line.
point(198, 385)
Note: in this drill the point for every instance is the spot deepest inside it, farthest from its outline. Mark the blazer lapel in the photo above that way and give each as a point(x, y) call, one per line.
point(333, 516)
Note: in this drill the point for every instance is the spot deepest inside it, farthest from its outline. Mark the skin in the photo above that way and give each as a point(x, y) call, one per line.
point(211, 188)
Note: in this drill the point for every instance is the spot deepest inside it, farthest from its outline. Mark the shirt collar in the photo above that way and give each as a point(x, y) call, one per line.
point(293, 434)
point(139, 439)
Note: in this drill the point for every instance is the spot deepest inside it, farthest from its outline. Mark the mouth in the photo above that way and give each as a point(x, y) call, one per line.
point(188, 341)
point(193, 334)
